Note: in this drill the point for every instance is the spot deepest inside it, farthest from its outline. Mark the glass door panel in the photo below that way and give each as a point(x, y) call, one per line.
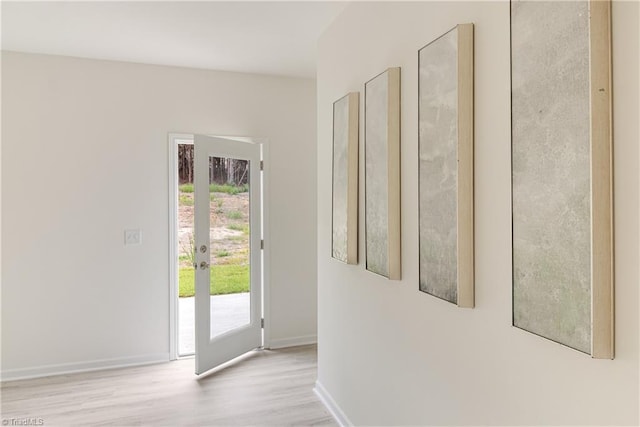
point(230, 232)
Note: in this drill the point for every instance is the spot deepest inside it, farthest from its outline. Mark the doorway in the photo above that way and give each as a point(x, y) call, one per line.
point(229, 258)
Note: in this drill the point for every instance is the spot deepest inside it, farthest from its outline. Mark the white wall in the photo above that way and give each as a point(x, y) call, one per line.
point(85, 157)
point(389, 354)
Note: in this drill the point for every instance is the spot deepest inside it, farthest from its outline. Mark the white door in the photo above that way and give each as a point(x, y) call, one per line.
point(227, 325)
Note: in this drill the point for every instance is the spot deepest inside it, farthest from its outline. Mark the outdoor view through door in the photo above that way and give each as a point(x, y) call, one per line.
point(229, 253)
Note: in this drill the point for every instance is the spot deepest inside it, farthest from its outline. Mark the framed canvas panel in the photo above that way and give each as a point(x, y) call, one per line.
point(562, 172)
point(382, 174)
point(344, 242)
point(445, 169)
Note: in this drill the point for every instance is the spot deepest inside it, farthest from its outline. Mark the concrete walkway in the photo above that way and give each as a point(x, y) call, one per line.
point(227, 312)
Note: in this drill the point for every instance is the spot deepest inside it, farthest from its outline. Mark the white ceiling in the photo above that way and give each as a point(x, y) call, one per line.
point(256, 37)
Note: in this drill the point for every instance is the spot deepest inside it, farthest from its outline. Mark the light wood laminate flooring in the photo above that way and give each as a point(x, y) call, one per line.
point(268, 387)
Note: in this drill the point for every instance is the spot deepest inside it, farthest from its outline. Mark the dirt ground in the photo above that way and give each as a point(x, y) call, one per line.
point(229, 216)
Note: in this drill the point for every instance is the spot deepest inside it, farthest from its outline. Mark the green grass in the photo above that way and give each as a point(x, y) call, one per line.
point(225, 279)
point(222, 254)
point(217, 188)
point(186, 188)
point(185, 200)
point(234, 215)
point(236, 260)
point(239, 227)
point(229, 189)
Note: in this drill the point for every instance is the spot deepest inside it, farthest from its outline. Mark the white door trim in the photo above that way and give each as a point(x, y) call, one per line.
point(175, 138)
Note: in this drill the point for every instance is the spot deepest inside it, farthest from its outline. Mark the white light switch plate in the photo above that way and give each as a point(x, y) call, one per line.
point(132, 237)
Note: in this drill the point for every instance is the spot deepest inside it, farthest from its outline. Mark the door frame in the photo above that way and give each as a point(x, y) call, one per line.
point(175, 138)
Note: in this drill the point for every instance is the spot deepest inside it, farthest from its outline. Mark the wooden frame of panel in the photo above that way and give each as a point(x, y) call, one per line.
point(466, 289)
point(600, 172)
point(392, 139)
point(353, 108)
point(602, 275)
point(461, 155)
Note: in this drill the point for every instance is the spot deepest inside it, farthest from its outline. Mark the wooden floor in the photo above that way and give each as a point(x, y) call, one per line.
point(269, 387)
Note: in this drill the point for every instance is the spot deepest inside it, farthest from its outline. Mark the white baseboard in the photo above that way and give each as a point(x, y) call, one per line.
point(331, 405)
point(292, 342)
point(76, 367)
